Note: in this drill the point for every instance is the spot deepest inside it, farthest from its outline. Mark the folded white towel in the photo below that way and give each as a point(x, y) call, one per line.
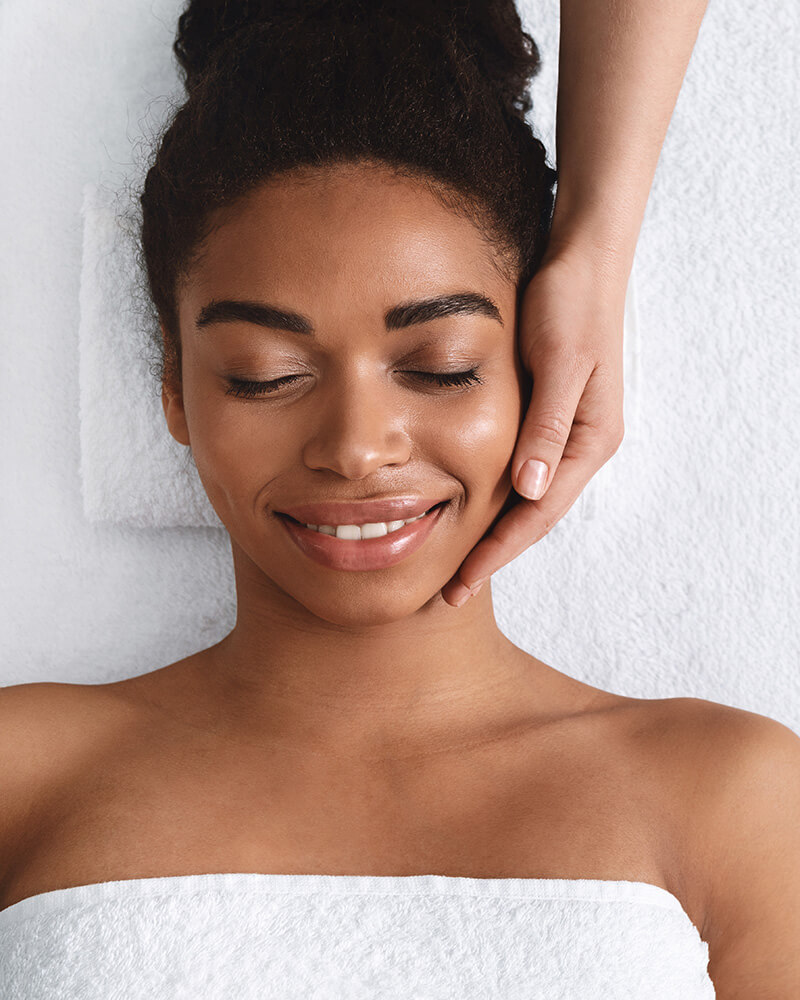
point(354, 937)
point(132, 470)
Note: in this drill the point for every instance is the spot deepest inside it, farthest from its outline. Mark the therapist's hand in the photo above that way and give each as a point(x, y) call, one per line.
point(570, 340)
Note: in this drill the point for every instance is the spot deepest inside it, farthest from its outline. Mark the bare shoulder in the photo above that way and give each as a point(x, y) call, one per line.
point(733, 755)
point(46, 730)
point(741, 802)
point(49, 709)
point(713, 738)
point(722, 758)
point(34, 719)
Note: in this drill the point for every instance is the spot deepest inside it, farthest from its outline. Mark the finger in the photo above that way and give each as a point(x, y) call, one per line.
point(560, 379)
point(529, 521)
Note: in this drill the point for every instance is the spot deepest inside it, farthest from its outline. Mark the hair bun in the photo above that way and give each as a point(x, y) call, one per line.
point(490, 30)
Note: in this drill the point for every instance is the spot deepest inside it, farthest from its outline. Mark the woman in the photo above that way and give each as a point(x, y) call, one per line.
point(337, 274)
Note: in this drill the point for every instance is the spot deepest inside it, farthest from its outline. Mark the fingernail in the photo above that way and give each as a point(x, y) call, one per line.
point(531, 480)
point(463, 599)
point(469, 593)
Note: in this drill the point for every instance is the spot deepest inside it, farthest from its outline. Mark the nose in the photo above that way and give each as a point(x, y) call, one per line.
point(359, 427)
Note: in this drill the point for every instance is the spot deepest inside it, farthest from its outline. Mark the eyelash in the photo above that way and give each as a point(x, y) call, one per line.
point(243, 387)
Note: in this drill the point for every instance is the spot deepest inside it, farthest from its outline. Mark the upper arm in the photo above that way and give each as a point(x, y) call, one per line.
point(751, 843)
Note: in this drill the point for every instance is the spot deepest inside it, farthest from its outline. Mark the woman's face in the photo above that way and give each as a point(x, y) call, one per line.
point(354, 420)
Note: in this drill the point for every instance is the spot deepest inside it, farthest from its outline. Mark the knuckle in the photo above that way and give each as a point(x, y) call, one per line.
point(552, 428)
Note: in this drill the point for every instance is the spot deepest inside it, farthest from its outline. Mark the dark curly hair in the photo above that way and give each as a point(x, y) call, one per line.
point(433, 89)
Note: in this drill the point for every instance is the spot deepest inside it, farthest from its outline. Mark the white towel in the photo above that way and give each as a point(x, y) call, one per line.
point(132, 470)
point(352, 937)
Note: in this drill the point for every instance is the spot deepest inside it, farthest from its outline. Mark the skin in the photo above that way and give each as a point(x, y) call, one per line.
point(367, 662)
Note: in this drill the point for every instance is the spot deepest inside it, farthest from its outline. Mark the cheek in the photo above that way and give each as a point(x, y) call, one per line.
point(479, 437)
point(237, 451)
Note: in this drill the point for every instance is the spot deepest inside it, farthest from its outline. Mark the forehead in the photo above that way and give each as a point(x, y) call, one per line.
point(352, 229)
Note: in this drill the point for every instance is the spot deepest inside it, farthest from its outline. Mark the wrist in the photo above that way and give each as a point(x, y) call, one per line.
point(607, 272)
point(607, 245)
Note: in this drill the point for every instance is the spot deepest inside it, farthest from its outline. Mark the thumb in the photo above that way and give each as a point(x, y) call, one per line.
point(557, 389)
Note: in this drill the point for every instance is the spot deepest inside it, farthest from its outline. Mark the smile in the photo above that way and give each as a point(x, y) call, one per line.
point(356, 532)
point(377, 545)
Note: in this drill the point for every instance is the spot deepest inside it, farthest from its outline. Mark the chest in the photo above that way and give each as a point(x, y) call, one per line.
point(558, 807)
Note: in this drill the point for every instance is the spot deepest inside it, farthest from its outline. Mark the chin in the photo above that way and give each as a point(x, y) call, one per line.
point(370, 609)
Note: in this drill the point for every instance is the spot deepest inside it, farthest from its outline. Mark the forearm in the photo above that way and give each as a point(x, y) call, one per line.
point(621, 66)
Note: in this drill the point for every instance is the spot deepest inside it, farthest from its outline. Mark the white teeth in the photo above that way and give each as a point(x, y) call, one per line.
point(355, 532)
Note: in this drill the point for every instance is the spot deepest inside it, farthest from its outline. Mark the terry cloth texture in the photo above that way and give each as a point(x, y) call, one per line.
point(352, 937)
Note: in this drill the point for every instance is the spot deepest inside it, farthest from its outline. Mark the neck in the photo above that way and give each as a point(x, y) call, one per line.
point(439, 678)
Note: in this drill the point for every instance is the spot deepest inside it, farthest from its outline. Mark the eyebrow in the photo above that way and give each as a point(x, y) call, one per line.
point(396, 318)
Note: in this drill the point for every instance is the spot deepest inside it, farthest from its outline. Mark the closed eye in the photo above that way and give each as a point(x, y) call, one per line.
point(247, 388)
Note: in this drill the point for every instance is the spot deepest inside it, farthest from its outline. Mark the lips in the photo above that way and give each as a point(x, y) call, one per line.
point(363, 512)
point(364, 554)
